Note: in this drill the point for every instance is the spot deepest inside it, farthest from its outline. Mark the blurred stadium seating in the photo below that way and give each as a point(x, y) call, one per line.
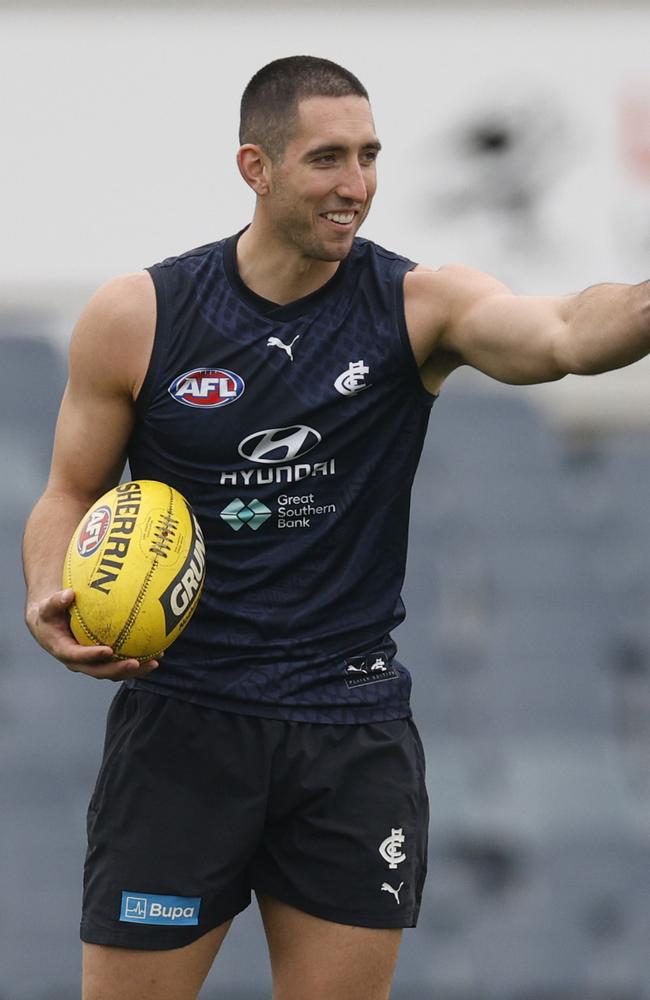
point(529, 642)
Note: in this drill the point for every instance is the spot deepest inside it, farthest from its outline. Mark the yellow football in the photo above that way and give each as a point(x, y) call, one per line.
point(136, 563)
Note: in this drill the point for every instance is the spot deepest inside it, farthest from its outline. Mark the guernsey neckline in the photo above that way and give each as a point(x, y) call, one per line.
point(267, 308)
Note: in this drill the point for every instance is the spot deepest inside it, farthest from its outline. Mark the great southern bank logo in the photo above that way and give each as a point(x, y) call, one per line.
point(207, 387)
point(238, 513)
point(145, 908)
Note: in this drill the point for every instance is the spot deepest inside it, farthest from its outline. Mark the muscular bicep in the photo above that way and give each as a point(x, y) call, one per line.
point(90, 443)
point(512, 338)
point(459, 316)
point(109, 353)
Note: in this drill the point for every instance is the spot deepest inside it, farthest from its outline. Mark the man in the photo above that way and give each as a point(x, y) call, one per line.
point(282, 379)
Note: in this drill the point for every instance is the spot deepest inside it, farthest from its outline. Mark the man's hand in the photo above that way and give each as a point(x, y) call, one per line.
point(49, 622)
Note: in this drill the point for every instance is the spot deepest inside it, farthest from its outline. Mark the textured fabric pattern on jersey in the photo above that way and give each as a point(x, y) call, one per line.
point(300, 478)
point(195, 804)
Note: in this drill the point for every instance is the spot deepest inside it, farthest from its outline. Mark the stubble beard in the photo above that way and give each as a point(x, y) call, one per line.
point(303, 238)
point(299, 233)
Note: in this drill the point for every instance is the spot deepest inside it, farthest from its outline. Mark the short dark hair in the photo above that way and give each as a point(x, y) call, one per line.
point(269, 104)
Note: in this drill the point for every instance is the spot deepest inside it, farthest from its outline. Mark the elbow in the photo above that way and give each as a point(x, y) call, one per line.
point(574, 355)
point(564, 358)
point(645, 308)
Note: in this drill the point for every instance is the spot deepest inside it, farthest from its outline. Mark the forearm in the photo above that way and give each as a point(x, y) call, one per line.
point(47, 534)
point(606, 326)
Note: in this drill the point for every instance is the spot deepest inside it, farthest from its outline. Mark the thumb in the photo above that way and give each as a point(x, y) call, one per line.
point(57, 602)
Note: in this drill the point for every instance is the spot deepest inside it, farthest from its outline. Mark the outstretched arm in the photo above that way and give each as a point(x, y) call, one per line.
point(460, 316)
point(109, 353)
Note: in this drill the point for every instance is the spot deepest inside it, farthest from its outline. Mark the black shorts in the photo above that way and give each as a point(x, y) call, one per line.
point(195, 807)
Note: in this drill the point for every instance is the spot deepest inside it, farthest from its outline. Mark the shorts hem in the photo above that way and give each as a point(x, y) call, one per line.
point(360, 918)
point(120, 937)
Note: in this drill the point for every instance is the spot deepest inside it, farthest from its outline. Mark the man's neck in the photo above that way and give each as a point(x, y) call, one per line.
point(274, 271)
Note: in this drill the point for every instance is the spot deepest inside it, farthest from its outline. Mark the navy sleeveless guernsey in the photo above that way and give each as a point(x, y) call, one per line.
point(294, 431)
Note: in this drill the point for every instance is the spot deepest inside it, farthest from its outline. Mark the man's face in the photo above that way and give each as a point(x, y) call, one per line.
point(321, 190)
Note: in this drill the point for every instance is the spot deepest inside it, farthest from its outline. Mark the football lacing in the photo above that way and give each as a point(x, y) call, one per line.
point(163, 536)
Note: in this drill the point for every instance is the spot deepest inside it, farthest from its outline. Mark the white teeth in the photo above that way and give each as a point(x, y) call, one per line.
point(342, 217)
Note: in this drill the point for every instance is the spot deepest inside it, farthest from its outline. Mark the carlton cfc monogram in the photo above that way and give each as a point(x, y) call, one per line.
point(391, 848)
point(352, 380)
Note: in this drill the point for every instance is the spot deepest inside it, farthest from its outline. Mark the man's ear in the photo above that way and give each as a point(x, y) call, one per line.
point(254, 166)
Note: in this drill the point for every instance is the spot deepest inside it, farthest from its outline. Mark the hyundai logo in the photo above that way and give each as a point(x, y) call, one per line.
point(279, 444)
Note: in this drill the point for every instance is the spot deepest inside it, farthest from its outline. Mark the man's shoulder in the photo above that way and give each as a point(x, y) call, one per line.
point(112, 339)
point(365, 249)
point(121, 296)
point(190, 257)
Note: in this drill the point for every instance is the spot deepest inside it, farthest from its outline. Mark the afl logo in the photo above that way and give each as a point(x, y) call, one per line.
point(94, 531)
point(279, 444)
point(207, 387)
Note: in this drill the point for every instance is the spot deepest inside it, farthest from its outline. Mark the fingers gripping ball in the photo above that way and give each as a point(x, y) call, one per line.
point(137, 565)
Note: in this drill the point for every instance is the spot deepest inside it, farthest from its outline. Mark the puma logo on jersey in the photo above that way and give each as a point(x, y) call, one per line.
point(388, 888)
point(276, 342)
point(369, 669)
point(378, 665)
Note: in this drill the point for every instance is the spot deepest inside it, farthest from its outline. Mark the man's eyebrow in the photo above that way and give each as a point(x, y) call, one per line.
point(334, 148)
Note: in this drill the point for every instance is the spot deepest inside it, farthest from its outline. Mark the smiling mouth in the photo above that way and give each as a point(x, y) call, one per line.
point(339, 218)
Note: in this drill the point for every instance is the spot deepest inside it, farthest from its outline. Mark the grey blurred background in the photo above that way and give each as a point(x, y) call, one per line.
point(515, 140)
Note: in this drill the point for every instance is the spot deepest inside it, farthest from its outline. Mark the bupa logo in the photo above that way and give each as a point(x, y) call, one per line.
point(94, 531)
point(279, 444)
point(145, 908)
point(207, 387)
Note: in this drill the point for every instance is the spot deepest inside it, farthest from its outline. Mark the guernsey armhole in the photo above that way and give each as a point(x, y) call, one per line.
point(149, 381)
point(428, 398)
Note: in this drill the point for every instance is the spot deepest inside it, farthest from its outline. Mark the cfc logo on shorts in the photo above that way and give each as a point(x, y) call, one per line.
point(145, 908)
point(391, 848)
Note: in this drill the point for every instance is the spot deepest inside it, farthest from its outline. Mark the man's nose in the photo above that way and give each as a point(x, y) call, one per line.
point(352, 184)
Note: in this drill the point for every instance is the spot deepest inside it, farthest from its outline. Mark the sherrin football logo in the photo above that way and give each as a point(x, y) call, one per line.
point(207, 387)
